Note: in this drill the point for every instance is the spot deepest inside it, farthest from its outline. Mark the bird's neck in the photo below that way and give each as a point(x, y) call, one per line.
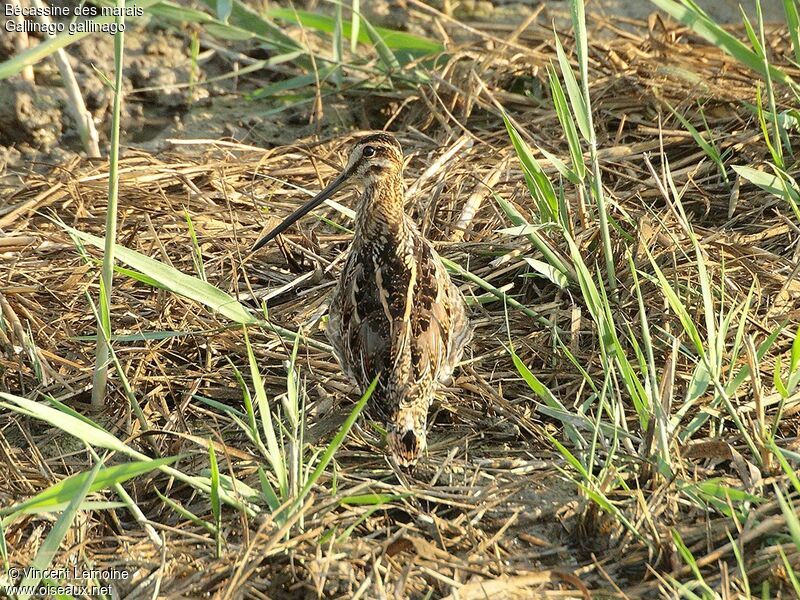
point(380, 211)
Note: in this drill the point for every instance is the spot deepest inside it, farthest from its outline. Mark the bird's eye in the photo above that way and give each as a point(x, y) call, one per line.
point(369, 152)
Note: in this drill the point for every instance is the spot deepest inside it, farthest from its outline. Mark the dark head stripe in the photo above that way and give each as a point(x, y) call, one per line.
point(380, 138)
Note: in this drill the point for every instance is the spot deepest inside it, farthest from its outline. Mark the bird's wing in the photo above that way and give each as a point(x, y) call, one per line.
point(460, 327)
point(439, 324)
point(401, 316)
point(366, 325)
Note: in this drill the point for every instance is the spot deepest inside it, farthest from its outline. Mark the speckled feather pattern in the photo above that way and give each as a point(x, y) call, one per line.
point(395, 311)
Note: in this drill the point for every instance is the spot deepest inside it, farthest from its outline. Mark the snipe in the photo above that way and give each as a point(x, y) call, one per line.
point(395, 311)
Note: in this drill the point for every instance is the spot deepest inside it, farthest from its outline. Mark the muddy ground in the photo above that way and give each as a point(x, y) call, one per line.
point(37, 132)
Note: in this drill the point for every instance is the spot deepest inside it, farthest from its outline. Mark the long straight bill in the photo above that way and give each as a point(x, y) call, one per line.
point(304, 210)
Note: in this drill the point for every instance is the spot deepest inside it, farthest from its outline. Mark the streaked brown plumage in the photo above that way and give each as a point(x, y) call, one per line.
point(395, 310)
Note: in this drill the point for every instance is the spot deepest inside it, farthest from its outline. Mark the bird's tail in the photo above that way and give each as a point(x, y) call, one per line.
point(407, 433)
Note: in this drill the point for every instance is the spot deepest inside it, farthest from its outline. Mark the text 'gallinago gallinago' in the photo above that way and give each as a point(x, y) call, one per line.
point(395, 311)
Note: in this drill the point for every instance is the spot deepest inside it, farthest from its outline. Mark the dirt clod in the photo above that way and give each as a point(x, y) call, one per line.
point(30, 117)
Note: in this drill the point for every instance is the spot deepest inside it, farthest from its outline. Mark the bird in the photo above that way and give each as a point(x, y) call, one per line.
point(395, 314)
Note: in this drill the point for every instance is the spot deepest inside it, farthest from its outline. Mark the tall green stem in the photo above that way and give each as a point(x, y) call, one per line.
point(581, 45)
point(100, 378)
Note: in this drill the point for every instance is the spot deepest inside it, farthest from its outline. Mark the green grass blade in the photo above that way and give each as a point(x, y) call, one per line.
point(793, 24)
point(67, 488)
point(576, 99)
point(539, 242)
point(773, 110)
point(291, 83)
point(781, 184)
point(744, 372)
point(252, 427)
point(547, 396)
point(751, 34)
point(686, 554)
point(233, 485)
point(649, 367)
point(737, 552)
point(548, 271)
point(561, 167)
point(538, 183)
point(169, 11)
point(92, 435)
point(88, 434)
point(248, 19)
point(371, 499)
point(567, 124)
point(570, 458)
point(603, 502)
point(224, 8)
point(185, 513)
point(336, 442)
point(385, 53)
point(788, 470)
point(268, 491)
point(174, 280)
point(355, 24)
point(458, 269)
point(767, 182)
point(197, 253)
point(216, 506)
point(581, 107)
point(776, 379)
point(716, 35)
point(711, 151)
point(275, 453)
point(100, 375)
point(790, 572)
point(394, 40)
point(678, 307)
point(578, 16)
point(790, 514)
point(3, 548)
point(49, 548)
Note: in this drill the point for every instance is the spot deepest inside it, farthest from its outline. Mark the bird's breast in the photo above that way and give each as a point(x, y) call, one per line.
point(390, 313)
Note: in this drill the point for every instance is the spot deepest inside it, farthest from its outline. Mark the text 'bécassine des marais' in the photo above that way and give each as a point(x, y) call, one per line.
point(82, 10)
point(49, 27)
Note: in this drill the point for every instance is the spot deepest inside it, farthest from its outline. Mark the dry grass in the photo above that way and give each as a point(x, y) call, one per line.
point(492, 512)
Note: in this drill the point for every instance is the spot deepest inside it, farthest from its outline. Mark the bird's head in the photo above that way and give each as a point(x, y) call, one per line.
point(406, 436)
point(372, 157)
